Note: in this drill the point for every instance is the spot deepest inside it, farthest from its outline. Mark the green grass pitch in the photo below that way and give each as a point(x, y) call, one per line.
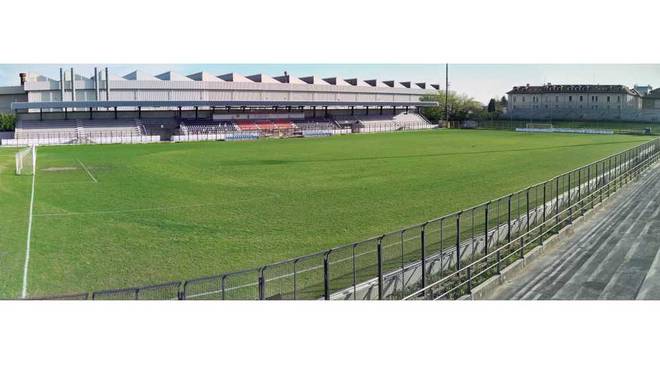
point(127, 215)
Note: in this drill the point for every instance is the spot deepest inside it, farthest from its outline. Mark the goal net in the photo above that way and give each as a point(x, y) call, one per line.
point(539, 126)
point(26, 160)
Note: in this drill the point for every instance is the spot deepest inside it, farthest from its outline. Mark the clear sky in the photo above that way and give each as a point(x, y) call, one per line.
point(481, 81)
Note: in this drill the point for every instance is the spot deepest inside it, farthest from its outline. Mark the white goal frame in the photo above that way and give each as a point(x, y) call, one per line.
point(27, 155)
point(539, 126)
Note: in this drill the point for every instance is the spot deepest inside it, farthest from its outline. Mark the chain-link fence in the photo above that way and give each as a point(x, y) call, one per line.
point(443, 257)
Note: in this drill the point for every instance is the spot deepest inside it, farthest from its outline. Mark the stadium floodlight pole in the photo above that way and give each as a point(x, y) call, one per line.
point(447, 93)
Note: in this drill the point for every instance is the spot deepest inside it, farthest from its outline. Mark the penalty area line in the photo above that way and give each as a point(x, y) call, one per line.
point(87, 171)
point(29, 235)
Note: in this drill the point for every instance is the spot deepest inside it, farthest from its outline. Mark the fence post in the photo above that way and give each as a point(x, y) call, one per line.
point(580, 192)
point(222, 286)
point(597, 186)
point(458, 241)
point(326, 276)
point(570, 209)
point(354, 276)
point(379, 248)
point(508, 231)
point(486, 231)
point(543, 216)
point(557, 203)
point(527, 207)
point(295, 279)
point(262, 284)
point(423, 241)
point(469, 281)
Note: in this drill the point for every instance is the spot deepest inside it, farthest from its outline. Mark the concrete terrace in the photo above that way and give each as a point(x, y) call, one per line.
point(613, 253)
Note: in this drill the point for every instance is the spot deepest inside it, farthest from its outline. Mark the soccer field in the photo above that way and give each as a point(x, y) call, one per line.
point(125, 215)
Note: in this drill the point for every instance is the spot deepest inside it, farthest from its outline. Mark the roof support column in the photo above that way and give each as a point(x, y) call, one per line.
point(115, 112)
point(91, 116)
point(325, 111)
point(381, 110)
point(61, 84)
point(313, 111)
point(196, 113)
point(352, 110)
point(139, 112)
point(97, 84)
point(394, 109)
point(107, 85)
point(41, 114)
point(367, 110)
point(66, 114)
point(73, 86)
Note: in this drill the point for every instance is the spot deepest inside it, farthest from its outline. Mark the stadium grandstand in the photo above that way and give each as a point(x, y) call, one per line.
point(142, 108)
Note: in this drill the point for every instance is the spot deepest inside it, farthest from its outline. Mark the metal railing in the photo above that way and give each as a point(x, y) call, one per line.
point(462, 280)
point(441, 258)
point(88, 137)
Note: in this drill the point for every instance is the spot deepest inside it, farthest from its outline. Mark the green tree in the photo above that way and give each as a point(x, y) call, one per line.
point(7, 121)
point(503, 102)
point(492, 106)
point(461, 107)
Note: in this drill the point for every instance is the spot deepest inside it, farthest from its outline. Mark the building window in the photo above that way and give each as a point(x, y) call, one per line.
point(556, 98)
point(523, 99)
point(618, 98)
point(570, 98)
point(596, 98)
point(581, 99)
point(514, 98)
point(608, 98)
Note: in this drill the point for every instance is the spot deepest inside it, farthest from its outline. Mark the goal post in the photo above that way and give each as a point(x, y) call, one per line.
point(26, 161)
point(539, 126)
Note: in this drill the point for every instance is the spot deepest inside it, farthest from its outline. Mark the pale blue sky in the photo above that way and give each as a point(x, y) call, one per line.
point(481, 81)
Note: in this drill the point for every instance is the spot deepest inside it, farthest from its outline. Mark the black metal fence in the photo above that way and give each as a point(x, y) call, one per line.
point(442, 258)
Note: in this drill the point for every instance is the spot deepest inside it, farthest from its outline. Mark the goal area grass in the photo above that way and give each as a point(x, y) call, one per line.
point(115, 216)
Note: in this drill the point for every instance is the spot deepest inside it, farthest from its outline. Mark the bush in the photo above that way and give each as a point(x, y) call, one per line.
point(7, 121)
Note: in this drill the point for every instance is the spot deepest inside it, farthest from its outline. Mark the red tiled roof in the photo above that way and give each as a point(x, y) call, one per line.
point(573, 88)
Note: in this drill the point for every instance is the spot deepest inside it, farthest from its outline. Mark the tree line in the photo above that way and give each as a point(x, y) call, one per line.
point(7, 121)
point(462, 107)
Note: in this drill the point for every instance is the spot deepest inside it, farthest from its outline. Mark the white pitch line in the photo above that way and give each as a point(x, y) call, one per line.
point(87, 171)
point(29, 234)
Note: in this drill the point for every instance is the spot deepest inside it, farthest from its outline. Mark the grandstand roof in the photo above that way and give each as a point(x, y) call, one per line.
point(375, 83)
point(168, 103)
point(234, 77)
point(262, 78)
point(139, 75)
point(173, 76)
point(289, 79)
point(356, 82)
point(336, 81)
point(312, 79)
point(204, 76)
